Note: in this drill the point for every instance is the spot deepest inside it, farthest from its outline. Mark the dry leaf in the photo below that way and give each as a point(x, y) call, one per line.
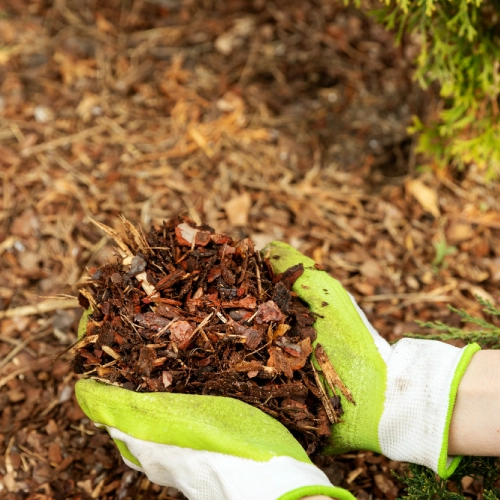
point(237, 209)
point(426, 196)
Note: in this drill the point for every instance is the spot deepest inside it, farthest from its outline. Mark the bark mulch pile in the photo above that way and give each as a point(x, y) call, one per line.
point(278, 120)
point(188, 310)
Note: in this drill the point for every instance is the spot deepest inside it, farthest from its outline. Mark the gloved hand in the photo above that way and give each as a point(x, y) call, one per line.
point(215, 448)
point(404, 393)
point(208, 447)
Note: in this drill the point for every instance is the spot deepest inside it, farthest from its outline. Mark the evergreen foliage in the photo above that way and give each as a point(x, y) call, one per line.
point(486, 334)
point(421, 482)
point(460, 49)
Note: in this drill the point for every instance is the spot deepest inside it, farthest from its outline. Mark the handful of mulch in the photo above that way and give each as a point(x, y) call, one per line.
point(187, 310)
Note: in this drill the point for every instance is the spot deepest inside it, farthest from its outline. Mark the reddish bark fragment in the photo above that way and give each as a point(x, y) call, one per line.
point(289, 347)
point(202, 238)
point(246, 366)
point(245, 246)
point(221, 239)
point(90, 358)
point(145, 362)
point(291, 275)
point(246, 303)
point(168, 301)
point(181, 333)
point(170, 280)
point(284, 363)
point(240, 315)
point(279, 361)
point(253, 338)
point(298, 362)
point(228, 276)
point(214, 273)
point(54, 454)
point(187, 236)
point(151, 320)
point(269, 311)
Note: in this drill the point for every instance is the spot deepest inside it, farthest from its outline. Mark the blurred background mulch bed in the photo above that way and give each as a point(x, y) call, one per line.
point(274, 120)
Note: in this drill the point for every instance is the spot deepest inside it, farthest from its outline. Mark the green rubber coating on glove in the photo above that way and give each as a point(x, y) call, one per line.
point(82, 325)
point(125, 452)
point(309, 491)
point(211, 423)
point(348, 344)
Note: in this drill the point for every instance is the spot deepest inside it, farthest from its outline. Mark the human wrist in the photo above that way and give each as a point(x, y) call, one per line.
point(475, 426)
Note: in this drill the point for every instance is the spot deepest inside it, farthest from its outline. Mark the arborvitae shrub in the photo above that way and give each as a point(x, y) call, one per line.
point(460, 49)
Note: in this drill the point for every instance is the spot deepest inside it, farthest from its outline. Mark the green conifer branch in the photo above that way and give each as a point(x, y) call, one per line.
point(423, 484)
point(486, 334)
point(460, 49)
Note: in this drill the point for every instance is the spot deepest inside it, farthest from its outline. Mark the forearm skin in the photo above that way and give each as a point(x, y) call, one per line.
point(475, 423)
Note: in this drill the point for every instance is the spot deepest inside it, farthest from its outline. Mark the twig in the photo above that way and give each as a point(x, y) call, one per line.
point(62, 141)
point(257, 274)
point(127, 253)
point(30, 367)
point(6, 360)
point(40, 308)
point(330, 410)
point(124, 248)
point(202, 324)
point(423, 297)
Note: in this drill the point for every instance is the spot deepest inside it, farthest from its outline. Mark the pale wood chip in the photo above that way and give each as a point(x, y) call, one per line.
point(90, 339)
point(110, 351)
point(146, 285)
point(331, 376)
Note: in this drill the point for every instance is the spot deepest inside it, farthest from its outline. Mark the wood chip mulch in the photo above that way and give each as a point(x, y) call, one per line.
point(190, 311)
point(270, 120)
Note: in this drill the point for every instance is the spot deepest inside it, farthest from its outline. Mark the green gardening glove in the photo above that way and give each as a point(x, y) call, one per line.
point(208, 447)
point(404, 394)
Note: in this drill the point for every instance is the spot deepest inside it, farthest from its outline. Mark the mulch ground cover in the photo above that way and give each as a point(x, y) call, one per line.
point(268, 120)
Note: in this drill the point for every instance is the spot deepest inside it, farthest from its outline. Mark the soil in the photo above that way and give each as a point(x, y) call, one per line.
point(270, 120)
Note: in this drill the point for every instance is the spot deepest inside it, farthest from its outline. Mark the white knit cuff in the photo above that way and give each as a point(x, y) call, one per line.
point(419, 399)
